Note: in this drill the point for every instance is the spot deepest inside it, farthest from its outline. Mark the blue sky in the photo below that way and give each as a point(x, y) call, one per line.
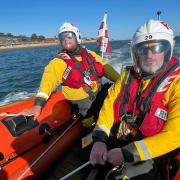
point(44, 17)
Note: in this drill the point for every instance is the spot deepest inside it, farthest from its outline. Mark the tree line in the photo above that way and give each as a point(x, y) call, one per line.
point(34, 37)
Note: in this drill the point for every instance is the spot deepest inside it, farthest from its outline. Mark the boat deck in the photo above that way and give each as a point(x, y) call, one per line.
point(70, 161)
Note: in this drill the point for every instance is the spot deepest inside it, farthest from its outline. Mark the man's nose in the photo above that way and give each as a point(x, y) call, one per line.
point(150, 53)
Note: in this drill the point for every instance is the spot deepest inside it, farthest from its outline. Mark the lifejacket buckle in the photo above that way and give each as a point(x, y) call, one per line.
point(123, 129)
point(88, 81)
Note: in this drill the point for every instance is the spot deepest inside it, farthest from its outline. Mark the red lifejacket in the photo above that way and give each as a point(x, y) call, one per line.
point(145, 112)
point(74, 73)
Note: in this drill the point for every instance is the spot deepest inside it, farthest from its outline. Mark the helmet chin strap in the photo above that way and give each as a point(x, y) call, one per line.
point(146, 76)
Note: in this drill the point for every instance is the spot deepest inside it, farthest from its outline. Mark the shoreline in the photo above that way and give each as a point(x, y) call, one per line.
point(21, 46)
point(35, 45)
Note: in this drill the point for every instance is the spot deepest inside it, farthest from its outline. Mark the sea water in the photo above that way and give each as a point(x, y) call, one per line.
point(21, 69)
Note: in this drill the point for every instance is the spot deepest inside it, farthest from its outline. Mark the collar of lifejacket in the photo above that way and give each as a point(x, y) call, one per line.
point(76, 52)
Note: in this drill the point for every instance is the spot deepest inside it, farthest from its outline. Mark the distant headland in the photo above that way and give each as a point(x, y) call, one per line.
point(9, 41)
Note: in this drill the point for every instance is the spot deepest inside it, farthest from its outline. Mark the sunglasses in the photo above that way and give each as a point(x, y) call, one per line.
point(156, 49)
point(64, 36)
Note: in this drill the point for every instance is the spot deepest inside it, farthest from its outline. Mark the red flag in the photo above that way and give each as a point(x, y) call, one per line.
point(103, 37)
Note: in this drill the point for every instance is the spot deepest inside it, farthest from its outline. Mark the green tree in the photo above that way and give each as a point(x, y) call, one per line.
point(34, 37)
point(1, 34)
point(9, 35)
point(41, 38)
point(22, 38)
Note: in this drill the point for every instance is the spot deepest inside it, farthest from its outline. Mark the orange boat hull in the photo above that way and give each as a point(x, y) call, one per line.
point(33, 163)
point(27, 154)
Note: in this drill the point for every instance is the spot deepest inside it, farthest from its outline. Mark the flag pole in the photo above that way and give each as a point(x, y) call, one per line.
point(103, 38)
point(104, 20)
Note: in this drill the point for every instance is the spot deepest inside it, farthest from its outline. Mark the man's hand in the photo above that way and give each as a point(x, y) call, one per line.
point(115, 157)
point(98, 153)
point(33, 111)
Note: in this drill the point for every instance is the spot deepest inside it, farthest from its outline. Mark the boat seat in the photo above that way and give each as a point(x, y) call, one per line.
point(19, 124)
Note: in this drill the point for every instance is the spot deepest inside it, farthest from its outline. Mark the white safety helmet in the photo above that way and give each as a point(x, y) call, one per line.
point(153, 30)
point(69, 27)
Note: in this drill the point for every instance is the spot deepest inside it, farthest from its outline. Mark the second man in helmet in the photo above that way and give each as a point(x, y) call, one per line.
point(78, 70)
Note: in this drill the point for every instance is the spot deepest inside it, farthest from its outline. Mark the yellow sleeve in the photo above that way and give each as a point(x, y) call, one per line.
point(110, 73)
point(52, 76)
point(97, 57)
point(106, 115)
point(169, 138)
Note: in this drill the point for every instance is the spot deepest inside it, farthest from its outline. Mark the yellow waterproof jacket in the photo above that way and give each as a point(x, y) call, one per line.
point(149, 147)
point(53, 76)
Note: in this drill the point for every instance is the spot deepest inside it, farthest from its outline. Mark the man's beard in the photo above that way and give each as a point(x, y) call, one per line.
point(73, 51)
point(150, 65)
point(70, 47)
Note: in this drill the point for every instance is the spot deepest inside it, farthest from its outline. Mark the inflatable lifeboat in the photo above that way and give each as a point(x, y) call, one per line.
point(27, 146)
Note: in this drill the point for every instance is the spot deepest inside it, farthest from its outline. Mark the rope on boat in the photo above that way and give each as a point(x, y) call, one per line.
point(75, 171)
point(31, 165)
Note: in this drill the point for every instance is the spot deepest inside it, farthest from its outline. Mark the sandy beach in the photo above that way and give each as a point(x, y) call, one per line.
point(34, 45)
point(18, 46)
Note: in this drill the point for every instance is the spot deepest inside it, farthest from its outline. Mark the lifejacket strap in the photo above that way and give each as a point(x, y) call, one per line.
point(91, 63)
point(126, 95)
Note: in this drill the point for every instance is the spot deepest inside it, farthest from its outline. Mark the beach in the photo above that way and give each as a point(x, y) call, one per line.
point(29, 45)
point(34, 45)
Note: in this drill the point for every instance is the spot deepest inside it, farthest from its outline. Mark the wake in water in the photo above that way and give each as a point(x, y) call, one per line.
point(11, 97)
point(21, 69)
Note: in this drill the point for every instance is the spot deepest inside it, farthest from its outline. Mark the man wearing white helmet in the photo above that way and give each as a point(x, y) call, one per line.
point(141, 113)
point(78, 70)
